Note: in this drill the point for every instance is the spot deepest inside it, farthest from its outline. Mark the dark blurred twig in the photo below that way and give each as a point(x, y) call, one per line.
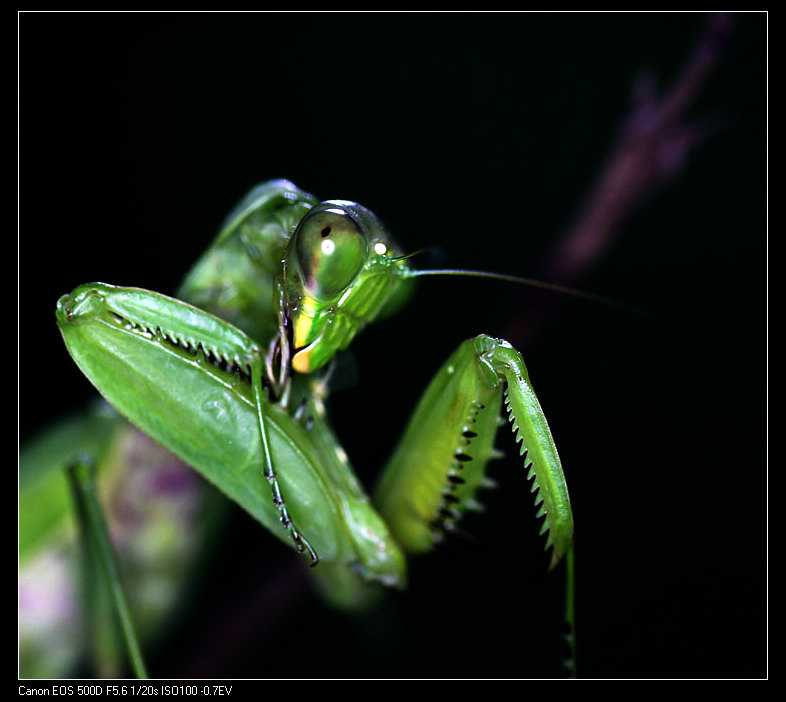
point(652, 147)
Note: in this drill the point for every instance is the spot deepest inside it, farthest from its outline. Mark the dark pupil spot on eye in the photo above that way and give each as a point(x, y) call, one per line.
point(325, 232)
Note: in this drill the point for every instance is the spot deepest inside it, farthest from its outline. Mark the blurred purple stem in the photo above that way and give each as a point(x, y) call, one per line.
point(652, 147)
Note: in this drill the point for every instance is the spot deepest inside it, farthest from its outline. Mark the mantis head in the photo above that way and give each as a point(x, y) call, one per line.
point(342, 270)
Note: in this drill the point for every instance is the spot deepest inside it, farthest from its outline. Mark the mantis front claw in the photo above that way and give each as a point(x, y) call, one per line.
point(449, 440)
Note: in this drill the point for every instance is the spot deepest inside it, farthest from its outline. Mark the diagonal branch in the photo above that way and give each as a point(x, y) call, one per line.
point(652, 147)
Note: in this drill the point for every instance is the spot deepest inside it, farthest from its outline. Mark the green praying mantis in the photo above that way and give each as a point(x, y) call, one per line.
point(232, 375)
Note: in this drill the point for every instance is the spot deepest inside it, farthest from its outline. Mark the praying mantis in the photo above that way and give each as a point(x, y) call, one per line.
point(232, 374)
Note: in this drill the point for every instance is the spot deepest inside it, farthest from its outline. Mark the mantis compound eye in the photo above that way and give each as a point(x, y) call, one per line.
point(331, 249)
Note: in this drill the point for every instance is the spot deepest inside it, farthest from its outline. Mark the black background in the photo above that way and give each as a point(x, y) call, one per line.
point(479, 135)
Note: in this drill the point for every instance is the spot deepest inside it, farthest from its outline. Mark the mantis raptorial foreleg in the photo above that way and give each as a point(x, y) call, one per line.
point(439, 464)
point(142, 348)
point(186, 340)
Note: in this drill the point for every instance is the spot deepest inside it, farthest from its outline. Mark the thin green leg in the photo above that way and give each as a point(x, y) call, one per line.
point(98, 545)
point(570, 615)
point(260, 399)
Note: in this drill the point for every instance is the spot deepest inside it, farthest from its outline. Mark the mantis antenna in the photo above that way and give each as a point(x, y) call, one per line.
point(553, 287)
